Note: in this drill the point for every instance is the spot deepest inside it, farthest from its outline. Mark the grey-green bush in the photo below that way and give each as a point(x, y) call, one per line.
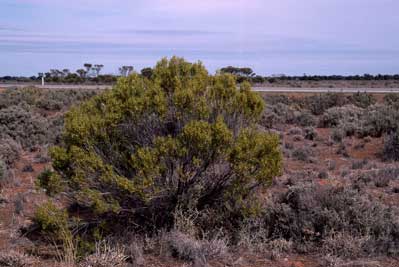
point(310, 214)
point(391, 147)
point(3, 172)
point(9, 150)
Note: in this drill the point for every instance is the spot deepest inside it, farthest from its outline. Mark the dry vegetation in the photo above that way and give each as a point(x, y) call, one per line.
point(334, 205)
point(324, 83)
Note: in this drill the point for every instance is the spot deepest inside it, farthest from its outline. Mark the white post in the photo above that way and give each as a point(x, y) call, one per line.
point(42, 80)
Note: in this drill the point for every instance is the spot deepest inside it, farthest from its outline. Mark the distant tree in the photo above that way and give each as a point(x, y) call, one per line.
point(147, 72)
point(125, 70)
point(258, 79)
point(247, 72)
point(88, 67)
point(97, 68)
point(66, 72)
point(53, 73)
point(81, 72)
point(242, 74)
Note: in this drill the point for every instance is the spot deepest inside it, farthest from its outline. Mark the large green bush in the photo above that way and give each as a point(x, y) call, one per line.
point(180, 139)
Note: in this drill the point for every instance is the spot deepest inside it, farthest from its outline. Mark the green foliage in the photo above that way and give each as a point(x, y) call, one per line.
point(182, 138)
point(50, 181)
point(147, 72)
point(52, 222)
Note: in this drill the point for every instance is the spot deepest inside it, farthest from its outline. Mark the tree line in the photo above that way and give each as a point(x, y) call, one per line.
point(91, 73)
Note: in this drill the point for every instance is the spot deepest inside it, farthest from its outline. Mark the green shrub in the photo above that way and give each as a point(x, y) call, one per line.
point(52, 222)
point(50, 181)
point(183, 138)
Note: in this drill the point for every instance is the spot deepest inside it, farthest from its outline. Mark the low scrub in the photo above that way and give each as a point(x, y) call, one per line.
point(51, 100)
point(3, 173)
point(13, 258)
point(106, 255)
point(332, 218)
point(188, 248)
point(9, 150)
point(337, 116)
point(303, 154)
point(391, 147)
point(362, 100)
point(25, 127)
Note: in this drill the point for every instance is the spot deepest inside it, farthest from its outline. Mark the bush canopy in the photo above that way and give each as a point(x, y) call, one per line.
point(180, 139)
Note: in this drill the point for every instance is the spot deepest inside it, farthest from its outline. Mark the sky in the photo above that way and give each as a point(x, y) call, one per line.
point(271, 36)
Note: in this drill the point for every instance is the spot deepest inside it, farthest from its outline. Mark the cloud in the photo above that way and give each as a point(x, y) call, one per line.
point(10, 29)
point(170, 32)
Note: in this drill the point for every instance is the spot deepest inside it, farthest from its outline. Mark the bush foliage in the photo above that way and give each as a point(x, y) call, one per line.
point(180, 139)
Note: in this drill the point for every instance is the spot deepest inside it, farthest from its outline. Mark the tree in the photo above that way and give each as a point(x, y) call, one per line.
point(247, 72)
point(66, 72)
point(185, 139)
point(125, 70)
point(147, 72)
point(97, 68)
point(81, 72)
point(88, 67)
point(243, 74)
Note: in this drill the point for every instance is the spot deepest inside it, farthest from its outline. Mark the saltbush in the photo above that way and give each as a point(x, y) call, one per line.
point(23, 126)
point(391, 147)
point(317, 104)
point(51, 100)
point(311, 215)
point(379, 119)
point(9, 150)
point(3, 172)
point(362, 100)
point(337, 116)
